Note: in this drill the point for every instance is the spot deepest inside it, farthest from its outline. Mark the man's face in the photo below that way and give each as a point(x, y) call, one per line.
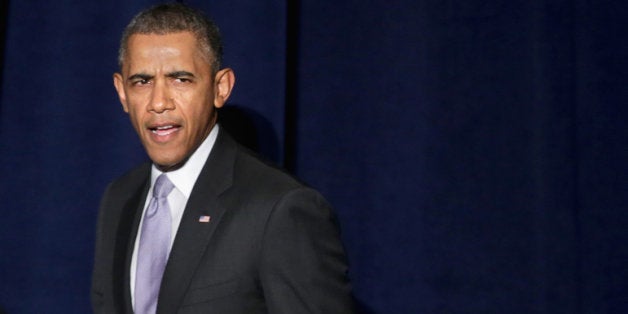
point(166, 87)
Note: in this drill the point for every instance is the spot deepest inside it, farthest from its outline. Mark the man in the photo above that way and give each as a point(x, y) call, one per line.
point(206, 227)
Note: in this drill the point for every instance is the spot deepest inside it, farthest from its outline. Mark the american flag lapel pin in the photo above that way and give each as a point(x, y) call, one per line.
point(204, 218)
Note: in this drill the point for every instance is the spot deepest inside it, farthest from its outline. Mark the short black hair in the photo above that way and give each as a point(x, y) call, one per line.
point(170, 18)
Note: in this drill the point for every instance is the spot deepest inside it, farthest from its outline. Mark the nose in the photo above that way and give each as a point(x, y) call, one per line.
point(161, 100)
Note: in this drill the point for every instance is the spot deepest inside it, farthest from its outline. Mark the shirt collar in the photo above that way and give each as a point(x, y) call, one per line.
point(185, 177)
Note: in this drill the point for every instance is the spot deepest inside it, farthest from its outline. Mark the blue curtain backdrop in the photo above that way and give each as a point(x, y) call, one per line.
point(476, 151)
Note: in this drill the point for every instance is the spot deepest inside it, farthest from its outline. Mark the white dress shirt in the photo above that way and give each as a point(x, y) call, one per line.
point(183, 179)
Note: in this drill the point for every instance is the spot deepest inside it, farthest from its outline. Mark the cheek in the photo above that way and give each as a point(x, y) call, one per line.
point(199, 111)
point(135, 117)
point(198, 118)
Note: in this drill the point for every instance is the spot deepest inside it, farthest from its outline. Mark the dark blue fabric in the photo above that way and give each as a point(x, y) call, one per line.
point(476, 151)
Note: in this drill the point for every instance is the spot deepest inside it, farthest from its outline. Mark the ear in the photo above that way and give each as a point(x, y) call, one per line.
point(223, 85)
point(118, 83)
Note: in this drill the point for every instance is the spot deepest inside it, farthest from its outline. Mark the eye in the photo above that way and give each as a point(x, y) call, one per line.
point(140, 82)
point(182, 80)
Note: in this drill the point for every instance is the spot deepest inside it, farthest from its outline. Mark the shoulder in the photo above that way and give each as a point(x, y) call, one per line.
point(234, 161)
point(135, 175)
point(131, 180)
point(257, 173)
point(258, 182)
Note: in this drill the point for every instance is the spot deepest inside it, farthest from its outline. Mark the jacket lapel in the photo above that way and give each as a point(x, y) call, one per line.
point(193, 236)
point(125, 241)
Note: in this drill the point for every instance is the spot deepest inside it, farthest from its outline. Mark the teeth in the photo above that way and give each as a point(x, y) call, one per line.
point(164, 130)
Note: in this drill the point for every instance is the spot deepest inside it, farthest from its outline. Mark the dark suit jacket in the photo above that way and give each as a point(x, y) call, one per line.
point(272, 245)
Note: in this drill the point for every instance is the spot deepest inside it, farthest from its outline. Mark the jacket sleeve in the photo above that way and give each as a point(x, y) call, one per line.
point(101, 301)
point(101, 290)
point(303, 265)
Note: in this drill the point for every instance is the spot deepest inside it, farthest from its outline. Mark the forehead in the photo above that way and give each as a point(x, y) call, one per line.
point(181, 48)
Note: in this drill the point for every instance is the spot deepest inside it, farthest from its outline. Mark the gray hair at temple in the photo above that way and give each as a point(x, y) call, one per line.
point(174, 18)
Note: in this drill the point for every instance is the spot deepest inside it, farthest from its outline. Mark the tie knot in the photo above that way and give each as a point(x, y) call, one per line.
point(162, 187)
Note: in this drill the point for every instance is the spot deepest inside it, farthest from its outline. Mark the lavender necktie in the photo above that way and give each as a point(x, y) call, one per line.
point(154, 246)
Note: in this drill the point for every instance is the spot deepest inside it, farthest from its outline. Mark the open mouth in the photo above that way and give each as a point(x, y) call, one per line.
point(164, 130)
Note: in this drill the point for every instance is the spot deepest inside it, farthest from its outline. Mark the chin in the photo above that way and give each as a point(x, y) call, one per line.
point(165, 163)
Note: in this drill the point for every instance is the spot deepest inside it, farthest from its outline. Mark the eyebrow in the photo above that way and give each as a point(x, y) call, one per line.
point(141, 76)
point(176, 74)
